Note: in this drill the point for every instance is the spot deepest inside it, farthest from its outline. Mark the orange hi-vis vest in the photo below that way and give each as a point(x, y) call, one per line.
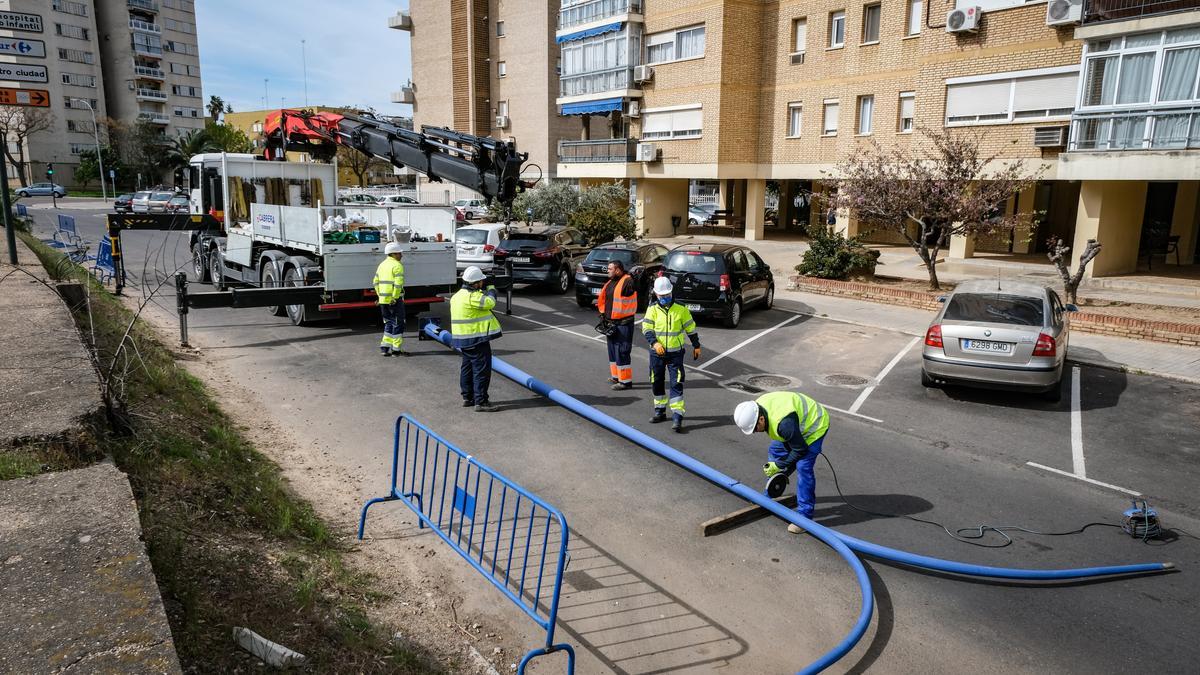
point(616, 301)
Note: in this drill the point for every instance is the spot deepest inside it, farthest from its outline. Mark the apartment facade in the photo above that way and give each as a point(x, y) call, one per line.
point(487, 67)
point(1098, 95)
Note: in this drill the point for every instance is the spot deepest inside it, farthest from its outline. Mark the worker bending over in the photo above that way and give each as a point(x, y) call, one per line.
point(389, 290)
point(472, 328)
point(797, 425)
point(618, 303)
point(664, 326)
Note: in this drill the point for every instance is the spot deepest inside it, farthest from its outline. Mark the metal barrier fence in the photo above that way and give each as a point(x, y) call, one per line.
point(22, 210)
point(492, 522)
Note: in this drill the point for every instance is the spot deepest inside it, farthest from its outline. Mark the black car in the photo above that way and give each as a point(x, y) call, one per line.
point(643, 260)
point(720, 280)
point(123, 204)
point(546, 255)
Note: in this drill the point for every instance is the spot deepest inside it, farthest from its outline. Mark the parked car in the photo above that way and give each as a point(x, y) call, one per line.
point(157, 202)
point(476, 245)
point(123, 204)
point(699, 214)
point(719, 281)
point(1000, 335)
point(396, 200)
point(140, 202)
point(42, 190)
point(643, 260)
point(179, 204)
point(356, 199)
point(544, 255)
point(471, 208)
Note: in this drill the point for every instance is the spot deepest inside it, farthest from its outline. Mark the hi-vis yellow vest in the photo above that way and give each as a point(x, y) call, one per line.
point(389, 281)
point(471, 318)
point(814, 419)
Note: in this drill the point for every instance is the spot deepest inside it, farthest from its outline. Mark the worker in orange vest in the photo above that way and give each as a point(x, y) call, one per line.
point(618, 303)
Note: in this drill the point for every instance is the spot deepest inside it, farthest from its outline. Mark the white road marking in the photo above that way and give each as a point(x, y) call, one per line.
point(862, 398)
point(850, 412)
point(1076, 427)
point(750, 339)
point(1068, 474)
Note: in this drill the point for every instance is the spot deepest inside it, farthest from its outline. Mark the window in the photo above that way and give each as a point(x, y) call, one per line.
point(181, 48)
point(866, 111)
point(672, 123)
point(907, 104)
point(676, 45)
point(77, 103)
point(1006, 97)
point(502, 108)
point(829, 125)
point(499, 29)
point(183, 69)
point(68, 7)
point(870, 28)
point(76, 56)
point(501, 69)
point(916, 16)
point(257, 127)
point(185, 90)
point(182, 111)
point(837, 29)
point(80, 126)
point(182, 5)
point(799, 39)
point(79, 80)
point(79, 148)
point(179, 26)
point(70, 31)
point(150, 44)
point(795, 118)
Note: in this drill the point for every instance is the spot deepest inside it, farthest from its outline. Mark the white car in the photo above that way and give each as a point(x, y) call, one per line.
point(476, 245)
point(396, 200)
point(140, 202)
point(471, 208)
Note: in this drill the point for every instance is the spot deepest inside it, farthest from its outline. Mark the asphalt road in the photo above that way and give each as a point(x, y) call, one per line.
point(757, 599)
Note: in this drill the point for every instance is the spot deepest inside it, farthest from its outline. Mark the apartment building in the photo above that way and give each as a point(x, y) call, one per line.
point(488, 67)
point(1098, 94)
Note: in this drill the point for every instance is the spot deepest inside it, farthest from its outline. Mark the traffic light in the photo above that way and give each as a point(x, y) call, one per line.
point(50, 171)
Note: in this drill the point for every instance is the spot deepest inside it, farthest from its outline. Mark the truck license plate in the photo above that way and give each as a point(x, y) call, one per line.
point(987, 346)
point(521, 261)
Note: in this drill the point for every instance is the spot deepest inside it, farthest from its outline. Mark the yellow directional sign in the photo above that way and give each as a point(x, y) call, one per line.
point(38, 98)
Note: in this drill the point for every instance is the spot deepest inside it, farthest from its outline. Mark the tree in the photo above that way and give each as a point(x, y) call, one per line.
point(360, 163)
point(143, 148)
point(188, 145)
point(224, 138)
point(216, 106)
point(1060, 255)
point(550, 203)
point(89, 170)
point(17, 124)
point(947, 188)
point(603, 214)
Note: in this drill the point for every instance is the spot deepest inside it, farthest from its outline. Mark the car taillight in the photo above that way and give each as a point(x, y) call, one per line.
point(725, 282)
point(933, 336)
point(488, 248)
point(1046, 346)
point(548, 253)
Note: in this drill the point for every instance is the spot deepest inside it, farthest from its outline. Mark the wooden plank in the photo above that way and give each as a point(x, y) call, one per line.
point(743, 516)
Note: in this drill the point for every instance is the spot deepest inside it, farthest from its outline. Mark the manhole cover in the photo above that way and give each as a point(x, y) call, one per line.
point(769, 381)
point(743, 387)
point(843, 380)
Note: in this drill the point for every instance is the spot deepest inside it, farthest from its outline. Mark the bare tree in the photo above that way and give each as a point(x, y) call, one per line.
point(17, 124)
point(947, 188)
point(359, 163)
point(1060, 255)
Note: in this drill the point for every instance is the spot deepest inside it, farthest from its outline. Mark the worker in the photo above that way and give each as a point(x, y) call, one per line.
point(797, 425)
point(389, 291)
point(473, 327)
point(664, 325)
point(618, 303)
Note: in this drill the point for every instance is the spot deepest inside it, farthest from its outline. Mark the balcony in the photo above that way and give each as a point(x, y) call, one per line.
point(1170, 129)
point(149, 73)
point(147, 50)
point(154, 118)
point(602, 150)
point(580, 13)
point(147, 5)
point(401, 20)
point(144, 94)
point(405, 95)
point(1098, 11)
point(599, 82)
point(145, 26)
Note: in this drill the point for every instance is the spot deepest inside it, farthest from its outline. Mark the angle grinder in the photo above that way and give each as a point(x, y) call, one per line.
point(776, 485)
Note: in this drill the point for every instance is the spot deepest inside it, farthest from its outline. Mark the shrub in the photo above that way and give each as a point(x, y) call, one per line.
point(603, 214)
point(831, 255)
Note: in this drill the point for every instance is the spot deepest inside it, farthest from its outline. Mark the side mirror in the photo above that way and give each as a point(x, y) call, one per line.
point(941, 299)
point(1071, 308)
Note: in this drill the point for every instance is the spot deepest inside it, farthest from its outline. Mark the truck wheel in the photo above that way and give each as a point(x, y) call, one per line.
point(301, 315)
point(199, 265)
point(270, 279)
point(215, 273)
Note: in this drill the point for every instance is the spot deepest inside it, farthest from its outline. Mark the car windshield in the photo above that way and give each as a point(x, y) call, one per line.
point(179, 200)
point(461, 202)
point(525, 240)
point(603, 255)
point(142, 195)
point(471, 236)
point(694, 261)
point(1017, 310)
point(162, 196)
point(125, 197)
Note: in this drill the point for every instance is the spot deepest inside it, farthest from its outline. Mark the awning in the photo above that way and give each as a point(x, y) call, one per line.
point(593, 107)
point(598, 30)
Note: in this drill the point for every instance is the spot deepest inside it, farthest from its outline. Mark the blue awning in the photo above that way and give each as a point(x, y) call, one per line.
point(598, 30)
point(593, 107)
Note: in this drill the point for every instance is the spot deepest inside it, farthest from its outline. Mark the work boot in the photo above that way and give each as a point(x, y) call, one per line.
point(621, 386)
point(386, 352)
point(659, 416)
point(399, 352)
point(468, 404)
point(486, 407)
point(677, 423)
point(613, 380)
point(795, 529)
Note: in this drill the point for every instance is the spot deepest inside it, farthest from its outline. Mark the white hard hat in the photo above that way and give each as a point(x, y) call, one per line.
point(662, 286)
point(393, 247)
point(745, 416)
point(473, 274)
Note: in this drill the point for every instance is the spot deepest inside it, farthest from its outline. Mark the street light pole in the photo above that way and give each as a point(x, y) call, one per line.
point(99, 158)
point(304, 62)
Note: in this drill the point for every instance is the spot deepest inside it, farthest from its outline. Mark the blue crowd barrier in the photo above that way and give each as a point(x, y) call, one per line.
point(450, 491)
point(22, 210)
point(104, 268)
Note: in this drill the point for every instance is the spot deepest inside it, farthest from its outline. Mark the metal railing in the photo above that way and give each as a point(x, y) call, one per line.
point(156, 118)
point(594, 10)
point(597, 82)
point(147, 49)
point(598, 150)
point(1096, 11)
point(509, 535)
point(153, 94)
point(144, 71)
point(1172, 129)
point(148, 5)
point(138, 24)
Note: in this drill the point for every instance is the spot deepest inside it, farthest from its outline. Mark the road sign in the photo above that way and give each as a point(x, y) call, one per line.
point(22, 72)
point(37, 98)
point(111, 174)
point(15, 47)
point(21, 21)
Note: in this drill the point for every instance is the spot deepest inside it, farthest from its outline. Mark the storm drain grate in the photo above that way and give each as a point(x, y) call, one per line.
point(843, 380)
point(742, 386)
point(769, 381)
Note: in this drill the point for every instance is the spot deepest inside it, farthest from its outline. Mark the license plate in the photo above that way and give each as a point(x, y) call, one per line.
point(987, 346)
point(595, 291)
point(693, 308)
point(522, 261)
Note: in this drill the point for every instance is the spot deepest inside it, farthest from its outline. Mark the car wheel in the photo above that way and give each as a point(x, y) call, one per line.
point(583, 302)
point(927, 381)
point(22, 193)
point(563, 283)
point(270, 279)
point(199, 266)
point(215, 274)
point(735, 314)
point(769, 298)
point(692, 222)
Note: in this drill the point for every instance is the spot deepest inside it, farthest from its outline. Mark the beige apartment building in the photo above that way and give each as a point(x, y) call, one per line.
point(1100, 94)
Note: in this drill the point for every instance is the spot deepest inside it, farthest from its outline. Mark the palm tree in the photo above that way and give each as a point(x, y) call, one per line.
point(216, 106)
point(185, 146)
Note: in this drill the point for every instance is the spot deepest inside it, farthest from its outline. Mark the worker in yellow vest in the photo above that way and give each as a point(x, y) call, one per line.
point(617, 304)
point(389, 290)
point(472, 329)
point(796, 425)
point(665, 326)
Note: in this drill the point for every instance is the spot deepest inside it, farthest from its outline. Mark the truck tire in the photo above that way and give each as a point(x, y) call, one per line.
point(270, 279)
point(215, 273)
point(301, 315)
point(199, 265)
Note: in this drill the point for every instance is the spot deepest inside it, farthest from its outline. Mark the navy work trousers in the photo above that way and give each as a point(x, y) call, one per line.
point(475, 374)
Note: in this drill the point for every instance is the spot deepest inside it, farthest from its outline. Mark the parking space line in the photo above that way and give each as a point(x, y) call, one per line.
point(855, 414)
point(862, 398)
point(750, 339)
point(1077, 460)
point(1068, 474)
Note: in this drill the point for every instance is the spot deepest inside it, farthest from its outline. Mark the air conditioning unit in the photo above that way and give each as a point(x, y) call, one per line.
point(647, 152)
point(797, 58)
point(1063, 12)
point(1049, 137)
point(634, 109)
point(643, 74)
point(964, 20)
point(501, 122)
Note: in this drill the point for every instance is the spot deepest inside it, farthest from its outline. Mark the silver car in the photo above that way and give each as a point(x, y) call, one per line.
point(157, 202)
point(140, 202)
point(998, 334)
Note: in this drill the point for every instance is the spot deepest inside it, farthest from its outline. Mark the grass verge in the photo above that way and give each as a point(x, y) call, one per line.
point(231, 544)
